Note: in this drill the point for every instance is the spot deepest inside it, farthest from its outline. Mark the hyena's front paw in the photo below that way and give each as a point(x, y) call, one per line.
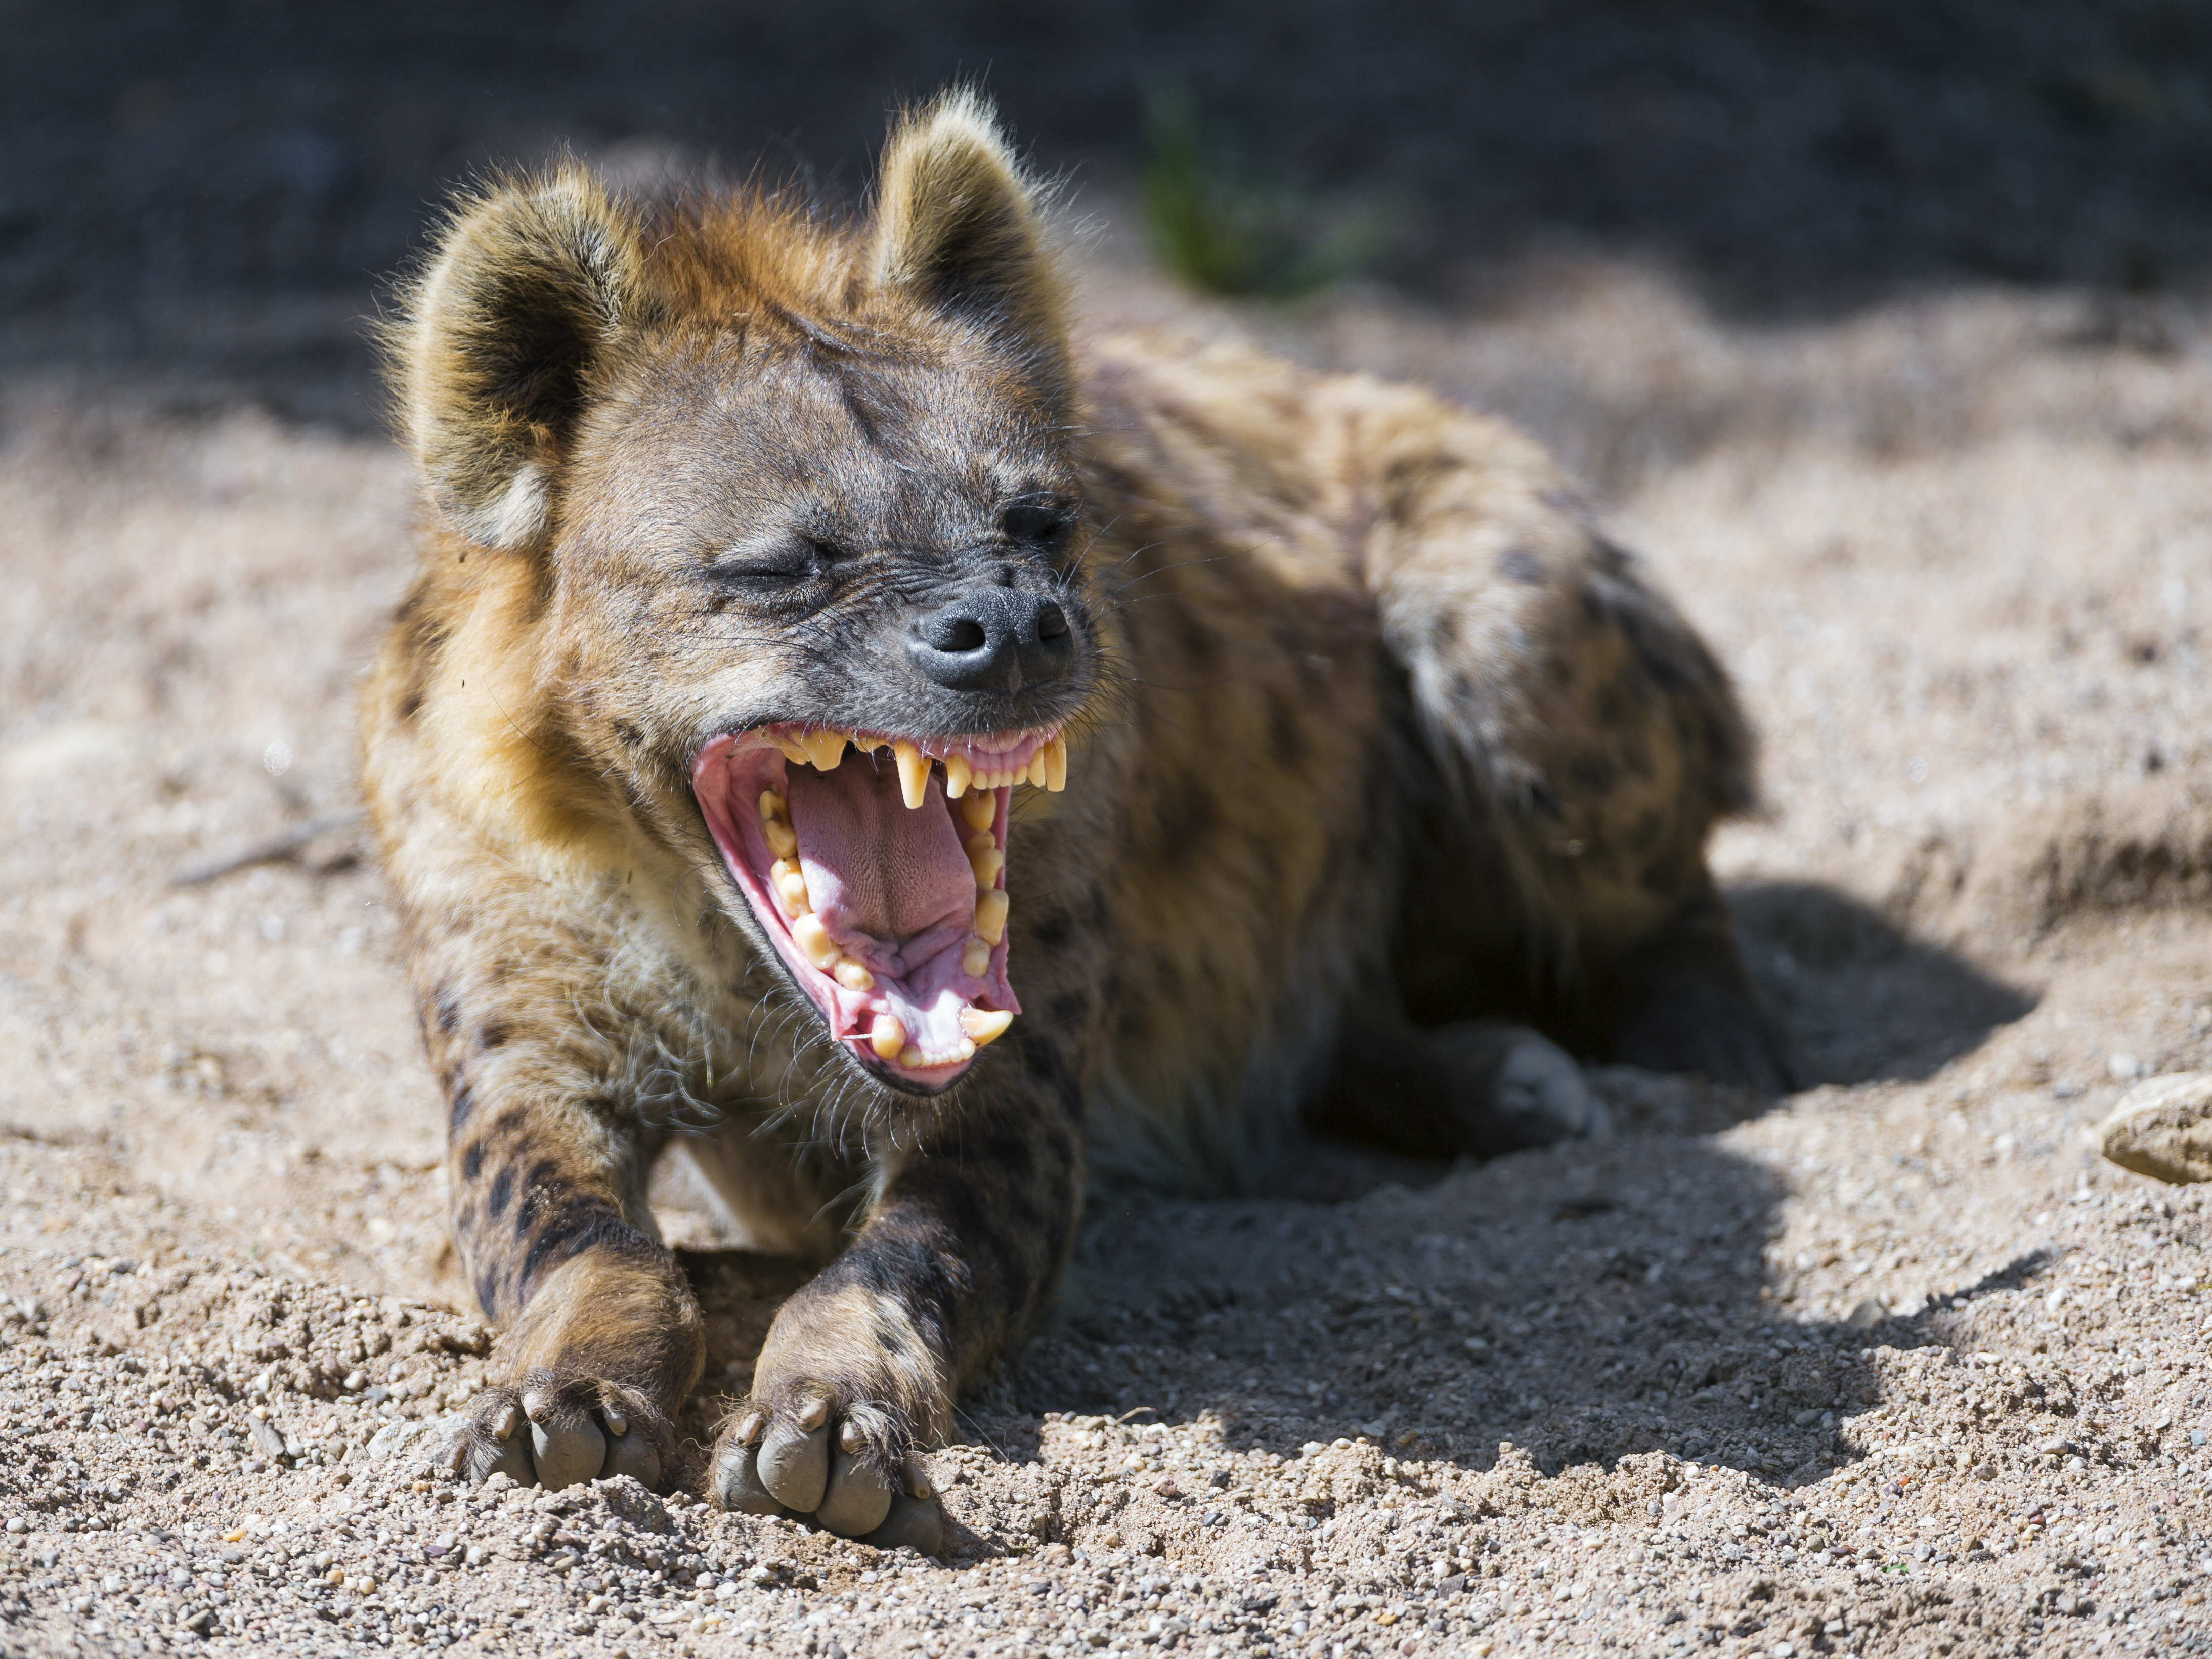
point(845, 1464)
point(557, 1430)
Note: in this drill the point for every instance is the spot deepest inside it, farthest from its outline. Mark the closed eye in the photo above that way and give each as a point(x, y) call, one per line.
point(777, 567)
point(1041, 524)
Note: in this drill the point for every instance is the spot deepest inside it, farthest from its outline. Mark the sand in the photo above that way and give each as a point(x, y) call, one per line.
point(1895, 1365)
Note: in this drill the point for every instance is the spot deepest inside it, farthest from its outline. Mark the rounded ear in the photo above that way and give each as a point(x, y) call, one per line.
point(532, 282)
point(958, 230)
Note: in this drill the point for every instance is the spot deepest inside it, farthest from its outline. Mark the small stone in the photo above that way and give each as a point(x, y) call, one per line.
point(17, 1524)
point(391, 1440)
point(1985, 1471)
point(2163, 1128)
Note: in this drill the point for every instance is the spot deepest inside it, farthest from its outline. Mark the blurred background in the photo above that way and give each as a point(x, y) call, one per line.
point(210, 193)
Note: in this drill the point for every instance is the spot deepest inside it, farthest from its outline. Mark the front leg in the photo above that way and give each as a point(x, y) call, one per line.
point(603, 1339)
point(603, 1349)
point(861, 1367)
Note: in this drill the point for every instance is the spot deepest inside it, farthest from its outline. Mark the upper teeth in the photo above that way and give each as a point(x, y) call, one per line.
point(913, 774)
point(823, 748)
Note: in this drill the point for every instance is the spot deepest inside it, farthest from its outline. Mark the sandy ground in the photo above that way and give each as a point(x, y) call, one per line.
point(1892, 1366)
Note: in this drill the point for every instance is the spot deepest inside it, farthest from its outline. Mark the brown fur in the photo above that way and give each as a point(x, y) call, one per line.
point(1366, 720)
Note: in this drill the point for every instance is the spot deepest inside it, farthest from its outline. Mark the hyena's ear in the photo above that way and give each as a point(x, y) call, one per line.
point(532, 283)
point(957, 229)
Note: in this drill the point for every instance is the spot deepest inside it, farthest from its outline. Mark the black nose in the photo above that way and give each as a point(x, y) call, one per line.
point(993, 639)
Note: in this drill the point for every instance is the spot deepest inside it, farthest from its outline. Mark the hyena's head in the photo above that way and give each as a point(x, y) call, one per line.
point(791, 536)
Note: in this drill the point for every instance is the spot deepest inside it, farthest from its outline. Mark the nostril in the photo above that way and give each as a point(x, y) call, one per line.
point(1051, 622)
point(954, 633)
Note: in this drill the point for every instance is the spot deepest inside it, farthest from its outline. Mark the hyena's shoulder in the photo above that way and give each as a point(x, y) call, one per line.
point(1304, 466)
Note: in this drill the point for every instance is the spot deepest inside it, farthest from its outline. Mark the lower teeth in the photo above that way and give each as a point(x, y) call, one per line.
point(979, 808)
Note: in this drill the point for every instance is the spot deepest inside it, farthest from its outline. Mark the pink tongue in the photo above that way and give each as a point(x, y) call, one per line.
point(877, 872)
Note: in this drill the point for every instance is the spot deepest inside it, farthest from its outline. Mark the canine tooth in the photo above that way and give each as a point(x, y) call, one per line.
point(913, 1058)
point(991, 915)
point(853, 977)
point(823, 748)
point(976, 958)
point(888, 1037)
point(957, 772)
point(772, 806)
point(1054, 756)
point(914, 773)
point(814, 940)
point(981, 810)
point(987, 862)
point(985, 1026)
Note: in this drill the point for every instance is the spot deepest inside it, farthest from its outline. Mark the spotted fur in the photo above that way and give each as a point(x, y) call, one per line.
point(1373, 735)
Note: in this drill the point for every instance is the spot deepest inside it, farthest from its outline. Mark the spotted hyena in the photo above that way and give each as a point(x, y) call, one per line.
point(936, 761)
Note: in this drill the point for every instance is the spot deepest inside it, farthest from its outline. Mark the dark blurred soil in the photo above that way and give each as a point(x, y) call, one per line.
point(211, 193)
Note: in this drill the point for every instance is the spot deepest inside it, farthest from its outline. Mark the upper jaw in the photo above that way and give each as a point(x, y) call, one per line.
point(911, 1011)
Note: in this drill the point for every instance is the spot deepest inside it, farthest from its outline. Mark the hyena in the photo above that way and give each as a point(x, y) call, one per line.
point(932, 762)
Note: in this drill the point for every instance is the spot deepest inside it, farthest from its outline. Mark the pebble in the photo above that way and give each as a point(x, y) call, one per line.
point(2163, 1128)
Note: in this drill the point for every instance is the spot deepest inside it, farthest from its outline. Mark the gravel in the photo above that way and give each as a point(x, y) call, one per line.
point(1897, 1365)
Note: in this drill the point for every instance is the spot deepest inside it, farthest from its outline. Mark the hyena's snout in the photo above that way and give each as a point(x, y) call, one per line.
point(993, 638)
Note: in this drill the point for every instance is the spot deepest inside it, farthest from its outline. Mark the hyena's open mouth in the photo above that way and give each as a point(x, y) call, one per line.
point(878, 866)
